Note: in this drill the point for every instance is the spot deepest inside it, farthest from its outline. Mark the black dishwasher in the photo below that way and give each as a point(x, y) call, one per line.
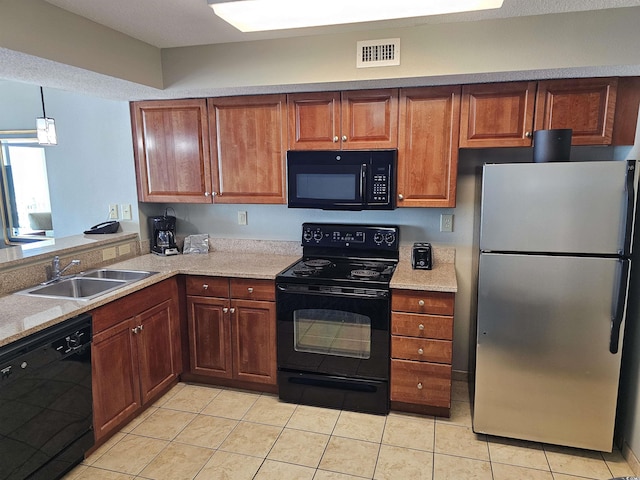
point(45, 401)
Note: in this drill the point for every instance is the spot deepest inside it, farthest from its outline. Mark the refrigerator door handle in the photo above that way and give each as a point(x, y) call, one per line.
point(618, 315)
point(631, 166)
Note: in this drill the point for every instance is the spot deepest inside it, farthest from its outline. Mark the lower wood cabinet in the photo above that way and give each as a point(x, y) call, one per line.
point(421, 350)
point(232, 330)
point(135, 354)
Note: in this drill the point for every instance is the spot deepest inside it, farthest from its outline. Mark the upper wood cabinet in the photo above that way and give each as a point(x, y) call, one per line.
point(248, 148)
point(587, 106)
point(506, 115)
point(171, 150)
point(428, 146)
point(497, 115)
point(349, 120)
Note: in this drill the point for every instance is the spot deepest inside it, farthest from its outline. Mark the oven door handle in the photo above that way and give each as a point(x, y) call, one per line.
point(368, 293)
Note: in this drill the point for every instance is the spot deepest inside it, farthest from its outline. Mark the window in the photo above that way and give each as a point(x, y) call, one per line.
point(26, 207)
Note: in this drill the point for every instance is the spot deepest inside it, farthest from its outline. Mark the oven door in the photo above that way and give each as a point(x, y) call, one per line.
point(333, 331)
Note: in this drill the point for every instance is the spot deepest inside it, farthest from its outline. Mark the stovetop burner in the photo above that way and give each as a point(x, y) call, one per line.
point(364, 274)
point(317, 263)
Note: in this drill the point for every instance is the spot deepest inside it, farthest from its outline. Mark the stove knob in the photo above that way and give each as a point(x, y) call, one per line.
point(317, 235)
point(390, 238)
point(307, 236)
point(378, 238)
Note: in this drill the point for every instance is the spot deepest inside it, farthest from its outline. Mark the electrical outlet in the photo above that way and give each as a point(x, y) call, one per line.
point(113, 211)
point(242, 217)
point(108, 254)
point(125, 208)
point(446, 222)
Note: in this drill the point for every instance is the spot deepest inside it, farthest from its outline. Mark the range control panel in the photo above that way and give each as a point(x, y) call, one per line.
point(344, 236)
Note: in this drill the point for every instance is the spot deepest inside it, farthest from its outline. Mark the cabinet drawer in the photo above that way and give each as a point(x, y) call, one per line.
point(421, 349)
point(422, 326)
point(252, 289)
point(207, 286)
point(416, 301)
point(421, 383)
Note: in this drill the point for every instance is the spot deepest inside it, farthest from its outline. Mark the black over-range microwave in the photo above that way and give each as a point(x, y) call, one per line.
point(342, 180)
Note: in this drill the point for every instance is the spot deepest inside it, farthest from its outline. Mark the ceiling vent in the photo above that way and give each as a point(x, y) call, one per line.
point(378, 53)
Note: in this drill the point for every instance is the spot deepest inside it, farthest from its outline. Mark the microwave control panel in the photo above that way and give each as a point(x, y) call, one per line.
point(379, 183)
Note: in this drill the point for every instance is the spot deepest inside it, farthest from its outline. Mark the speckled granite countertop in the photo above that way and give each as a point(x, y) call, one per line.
point(23, 315)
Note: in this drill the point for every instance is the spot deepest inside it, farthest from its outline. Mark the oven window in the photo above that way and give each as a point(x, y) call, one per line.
point(332, 332)
point(326, 186)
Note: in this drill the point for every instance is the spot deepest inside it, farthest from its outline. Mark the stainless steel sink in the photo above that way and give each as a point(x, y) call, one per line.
point(87, 285)
point(76, 287)
point(126, 275)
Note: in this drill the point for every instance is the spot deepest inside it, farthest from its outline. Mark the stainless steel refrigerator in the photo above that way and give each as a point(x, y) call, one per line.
point(555, 241)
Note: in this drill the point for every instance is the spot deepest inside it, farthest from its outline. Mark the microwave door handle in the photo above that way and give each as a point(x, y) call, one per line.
point(363, 179)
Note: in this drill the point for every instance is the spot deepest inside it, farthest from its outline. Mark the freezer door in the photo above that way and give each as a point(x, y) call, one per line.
point(558, 207)
point(544, 369)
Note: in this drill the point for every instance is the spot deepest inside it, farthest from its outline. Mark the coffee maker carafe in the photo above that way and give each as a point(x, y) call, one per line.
point(163, 235)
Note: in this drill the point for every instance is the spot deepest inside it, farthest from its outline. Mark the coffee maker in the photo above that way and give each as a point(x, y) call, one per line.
point(163, 235)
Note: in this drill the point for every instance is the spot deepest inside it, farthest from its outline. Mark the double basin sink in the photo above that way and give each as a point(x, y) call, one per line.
point(87, 285)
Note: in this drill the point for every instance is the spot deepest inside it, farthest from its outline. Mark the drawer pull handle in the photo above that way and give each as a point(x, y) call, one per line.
point(421, 303)
point(250, 289)
point(205, 286)
point(421, 327)
point(420, 386)
point(420, 351)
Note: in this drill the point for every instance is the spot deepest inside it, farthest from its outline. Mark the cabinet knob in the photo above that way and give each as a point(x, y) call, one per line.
point(400, 196)
point(134, 330)
point(205, 286)
point(420, 386)
point(335, 139)
point(206, 194)
point(420, 351)
point(344, 138)
point(213, 194)
point(225, 310)
point(140, 327)
point(421, 327)
point(250, 289)
point(528, 134)
point(421, 303)
point(232, 310)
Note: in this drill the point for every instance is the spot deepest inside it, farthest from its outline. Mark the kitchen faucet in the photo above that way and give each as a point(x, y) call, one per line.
point(56, 272)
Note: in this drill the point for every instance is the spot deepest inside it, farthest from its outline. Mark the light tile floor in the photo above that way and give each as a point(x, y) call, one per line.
point(207, 433)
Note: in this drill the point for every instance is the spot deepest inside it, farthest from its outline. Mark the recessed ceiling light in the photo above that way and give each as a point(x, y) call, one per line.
point(260, 15)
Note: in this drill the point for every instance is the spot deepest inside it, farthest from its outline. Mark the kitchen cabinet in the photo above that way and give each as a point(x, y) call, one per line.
point(586, 105)
point(135, 354)
point(428, 146)
point(171, 150)
point(358, 119)
point(497, 114)
point(507, 114)
point(421, 351)
point(248, 148)
point(232, 330)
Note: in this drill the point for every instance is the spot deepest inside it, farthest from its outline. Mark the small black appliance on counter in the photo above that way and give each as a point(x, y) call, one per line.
point(163, 235)
point(421, 256)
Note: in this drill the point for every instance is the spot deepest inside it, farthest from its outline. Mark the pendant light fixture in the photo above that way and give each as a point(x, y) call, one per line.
point(46, 127)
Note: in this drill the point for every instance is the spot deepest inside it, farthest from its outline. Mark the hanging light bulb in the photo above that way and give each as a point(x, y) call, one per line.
point(46, 127)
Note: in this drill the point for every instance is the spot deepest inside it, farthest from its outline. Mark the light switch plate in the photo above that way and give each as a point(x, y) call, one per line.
point(242, 217)
point(126, 211)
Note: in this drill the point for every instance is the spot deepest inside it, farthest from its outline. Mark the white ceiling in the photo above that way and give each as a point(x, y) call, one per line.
point(179, 23)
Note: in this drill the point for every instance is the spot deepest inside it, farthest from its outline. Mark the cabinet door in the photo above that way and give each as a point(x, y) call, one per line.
point(314, 121)
point(497, 115)
point(369, 119)
point(248, 148)
point(171, 149)
point(116, 391)
point(428, 146)
point(209, 336)
point(254, 341)
point(587, 106)
point(158, 348)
